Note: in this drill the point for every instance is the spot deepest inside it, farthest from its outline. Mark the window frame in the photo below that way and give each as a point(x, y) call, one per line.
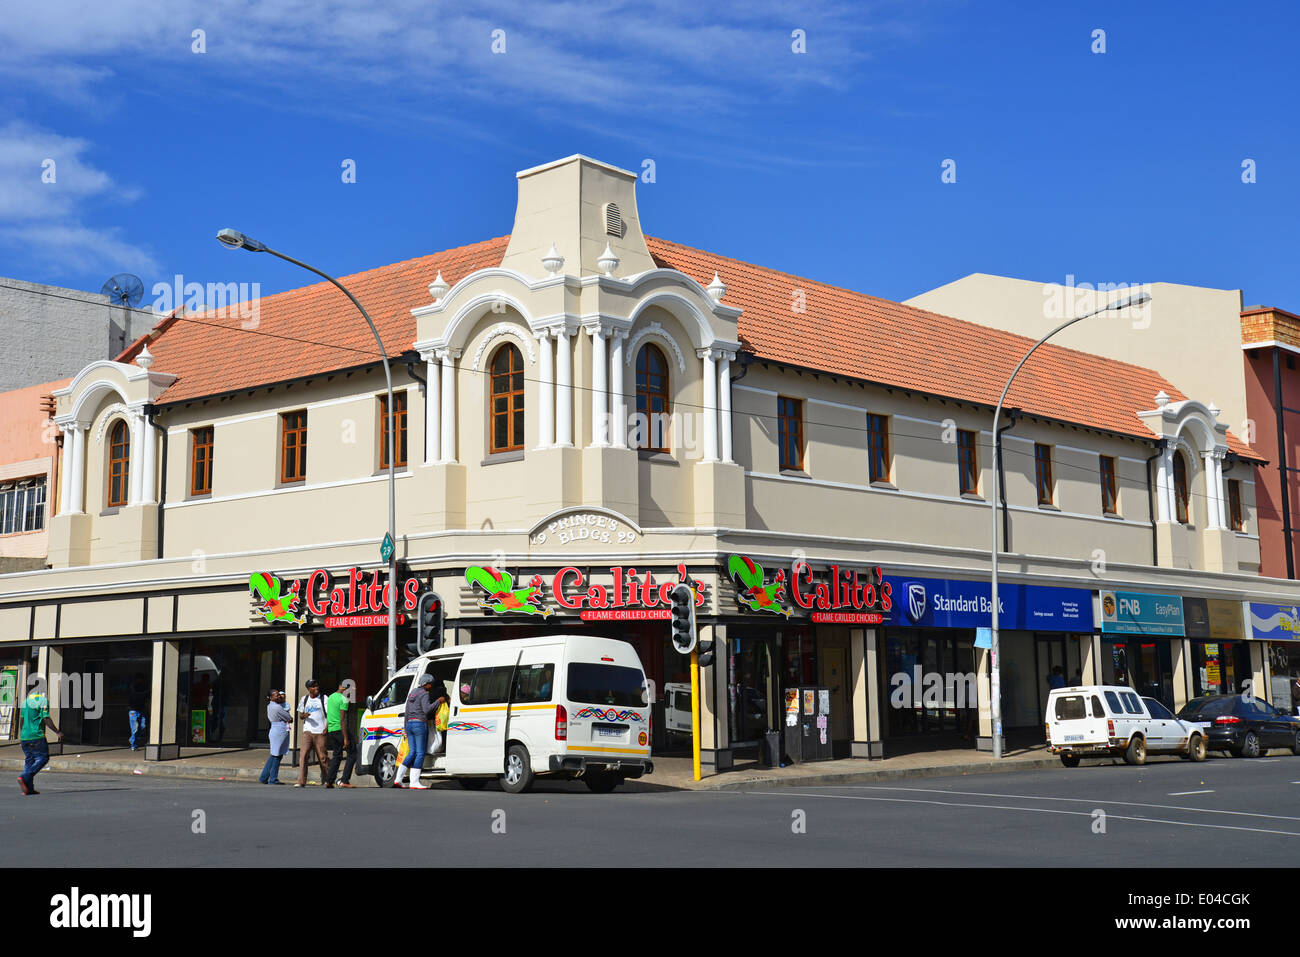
point(1182, 491)
point(196, 445)
point(514, 443)
point(299, 451)
point(124, 479)
point(783, 417)
point(1043, 474)
point(1109, 484)
point(400, 439)
point(23, 499)
point(971, 449)
point(1236, 517)
point(878, 448)
point(647, 444)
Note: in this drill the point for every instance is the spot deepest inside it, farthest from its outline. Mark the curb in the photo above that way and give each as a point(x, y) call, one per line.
point(147, 769)
point(884, 774)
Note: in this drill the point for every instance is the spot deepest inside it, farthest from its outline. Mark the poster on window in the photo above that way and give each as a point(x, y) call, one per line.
point(198, 727)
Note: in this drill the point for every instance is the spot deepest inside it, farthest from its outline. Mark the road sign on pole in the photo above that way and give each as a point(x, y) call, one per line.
point(386, 548)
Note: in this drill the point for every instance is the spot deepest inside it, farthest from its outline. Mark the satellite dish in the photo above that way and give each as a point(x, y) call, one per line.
point(124, 289)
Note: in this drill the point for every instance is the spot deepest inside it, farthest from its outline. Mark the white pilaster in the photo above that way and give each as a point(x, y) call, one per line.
point(1213, 491)
point(76, 501)
point(546, 388)
point(65, 467)
point(1164, 485)
point(448, 357)
point(136, 429)
point(724, 406)
point(563, 389)
point(710, 410)
point(599, 389)
point(619, 400)
point(149, 443)
point(432, 409)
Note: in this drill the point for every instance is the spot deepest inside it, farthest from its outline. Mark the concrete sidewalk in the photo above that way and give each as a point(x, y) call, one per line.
point(239, 765)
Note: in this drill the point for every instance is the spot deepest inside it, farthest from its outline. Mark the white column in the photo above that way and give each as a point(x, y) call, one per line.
point(546, 412)
point(710, 410)
point(65, 468)
point(619, 412)
point(599, 387)
point(432, 409)
point(147, 457)
point(76, 501)
point(448, 357)
point(136, 421)
point(1213, 491)
point(1164, 486)
point(563, 389)
point(724, 406)
point(1222, 489)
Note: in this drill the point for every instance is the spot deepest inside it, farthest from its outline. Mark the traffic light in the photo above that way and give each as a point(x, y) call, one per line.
point(683, 619)
point(428, 622)
point(706, 654)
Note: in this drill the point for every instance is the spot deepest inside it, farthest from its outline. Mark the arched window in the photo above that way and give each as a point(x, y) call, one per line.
point(119, 464)
point(652, 399)
point(1180, 487)
point(506, 416)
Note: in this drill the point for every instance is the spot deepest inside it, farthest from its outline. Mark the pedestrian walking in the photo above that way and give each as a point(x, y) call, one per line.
point(31, 736)
point(420, 706)
point(280, 718)
point(337, 720)
point(311, 712)
point(137, 703)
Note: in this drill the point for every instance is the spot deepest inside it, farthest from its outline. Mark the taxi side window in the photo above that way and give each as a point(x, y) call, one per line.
point(484, 685)
point(394, 696)
point(533, 683)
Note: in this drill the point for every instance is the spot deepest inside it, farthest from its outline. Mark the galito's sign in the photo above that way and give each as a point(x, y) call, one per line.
point(840, 596)
point(630, 596)
point(358, 604)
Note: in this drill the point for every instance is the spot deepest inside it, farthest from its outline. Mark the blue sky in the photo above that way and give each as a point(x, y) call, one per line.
point(1122, 166)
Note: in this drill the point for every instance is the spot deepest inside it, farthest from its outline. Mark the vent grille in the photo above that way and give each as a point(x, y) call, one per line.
point(613, 220)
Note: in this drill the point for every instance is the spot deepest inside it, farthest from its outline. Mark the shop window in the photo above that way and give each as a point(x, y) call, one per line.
point(877, 448)
point(789, 414)
point(1235, 520)
point(293, 446)
point(22, 506)
point(967, 463)
point(385, 423)
point(119, 464)
point(1109, 489)
point(506, 428)
point(652, 404)
point(201, 441)
point(1180, 487)
point(1043, 473)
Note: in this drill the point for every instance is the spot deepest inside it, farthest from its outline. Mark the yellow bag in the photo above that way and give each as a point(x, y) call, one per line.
point(442, 718)
point(403, 749)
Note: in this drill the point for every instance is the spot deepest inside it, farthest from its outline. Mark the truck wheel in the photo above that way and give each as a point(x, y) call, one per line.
point(1196, 749)
point(1250, 745)
point(473, 784)
point(518, 776)
point(1070, 760)
point(1137, 751)
point(602, 782)
point(385, 764)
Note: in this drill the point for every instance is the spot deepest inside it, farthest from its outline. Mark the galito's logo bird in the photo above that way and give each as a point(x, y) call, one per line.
point(502, 597)
point(275, 606)
point(753, 590)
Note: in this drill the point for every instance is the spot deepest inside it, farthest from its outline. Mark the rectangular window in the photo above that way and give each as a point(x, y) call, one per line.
point(1109, 490)
point(1235, 520)
point(1043, 472)
point(877, 448)
point(22, 506)
point(399, 447)
point(967, 463)
point(790, 432)
point(201, 461)
point(293, 446)
point(607, 685)
point(533, 683)
point(486, 685)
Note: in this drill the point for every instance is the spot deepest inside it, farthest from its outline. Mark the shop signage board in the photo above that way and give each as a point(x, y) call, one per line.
point(1213, 618)
point(629, 594)
point(830, 594)
point(947, 603)
point(352, 600)
point(1274, 622)
point(1139, 613)
point(585, 526)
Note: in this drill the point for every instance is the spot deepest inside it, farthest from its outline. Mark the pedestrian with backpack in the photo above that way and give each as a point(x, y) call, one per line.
point(311, 712)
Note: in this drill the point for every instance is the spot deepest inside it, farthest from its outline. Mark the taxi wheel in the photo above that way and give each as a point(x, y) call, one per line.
point(473, 784)
point(518, 776)
point(1137, 751)
point(385, 766)
point(1196, 750)
point(602, 782)
point(1070, 760)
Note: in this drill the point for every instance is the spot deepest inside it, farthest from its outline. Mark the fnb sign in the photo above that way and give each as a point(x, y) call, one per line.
point(1137, 613)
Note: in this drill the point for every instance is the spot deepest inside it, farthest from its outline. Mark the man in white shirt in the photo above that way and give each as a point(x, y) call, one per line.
point(311, 712)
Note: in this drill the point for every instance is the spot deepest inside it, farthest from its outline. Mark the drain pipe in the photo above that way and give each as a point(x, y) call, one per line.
point(1151, 501)
point(149, 412)
point(1013, 416)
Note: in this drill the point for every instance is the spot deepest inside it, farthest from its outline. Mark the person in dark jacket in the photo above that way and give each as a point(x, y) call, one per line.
point(420, 707)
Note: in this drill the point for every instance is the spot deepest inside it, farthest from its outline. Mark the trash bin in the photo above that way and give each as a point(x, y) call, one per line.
point(769, 749)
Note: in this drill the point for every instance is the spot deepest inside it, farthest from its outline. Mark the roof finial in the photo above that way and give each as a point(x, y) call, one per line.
point(553, 262)
point(1162, 399)
point(145, 359)
point(438, 288)
point(607, 262)
point(716, 289)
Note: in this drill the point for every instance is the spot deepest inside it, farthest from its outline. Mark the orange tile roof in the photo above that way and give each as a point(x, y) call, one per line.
point(315, 329)
point(1264, 324)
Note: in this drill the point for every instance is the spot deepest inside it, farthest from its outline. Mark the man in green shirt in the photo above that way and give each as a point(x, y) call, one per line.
point(36, 751)
point(340, 737)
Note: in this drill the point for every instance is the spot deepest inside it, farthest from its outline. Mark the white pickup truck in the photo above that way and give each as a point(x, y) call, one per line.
point(1095, 721)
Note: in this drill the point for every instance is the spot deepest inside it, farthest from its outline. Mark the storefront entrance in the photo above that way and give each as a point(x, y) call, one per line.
point(1219, 667)
point(1144, 664)
point(950, 655)
point(224, 682)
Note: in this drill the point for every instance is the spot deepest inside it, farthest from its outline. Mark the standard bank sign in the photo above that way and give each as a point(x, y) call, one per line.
point(946, 603)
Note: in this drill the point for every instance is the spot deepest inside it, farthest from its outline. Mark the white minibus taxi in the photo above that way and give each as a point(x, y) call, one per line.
point(571, 706)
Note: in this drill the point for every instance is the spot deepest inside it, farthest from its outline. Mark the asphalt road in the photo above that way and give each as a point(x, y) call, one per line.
point(1170, 813)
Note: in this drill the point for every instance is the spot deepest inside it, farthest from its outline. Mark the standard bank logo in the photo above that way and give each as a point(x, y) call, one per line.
point(915, 601)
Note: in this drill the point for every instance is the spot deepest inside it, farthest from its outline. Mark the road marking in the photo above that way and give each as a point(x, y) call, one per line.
point(1032, 810)
point(1093, 801)
point(1175, 794)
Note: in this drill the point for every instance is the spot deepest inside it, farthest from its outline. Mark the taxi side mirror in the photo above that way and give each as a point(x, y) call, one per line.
point(370, 703)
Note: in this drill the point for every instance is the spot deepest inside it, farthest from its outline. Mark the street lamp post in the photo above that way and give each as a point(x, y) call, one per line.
point(995, 684)
point(237, 240)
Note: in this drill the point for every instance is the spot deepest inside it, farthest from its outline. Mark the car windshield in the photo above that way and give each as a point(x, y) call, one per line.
point(1200, 708)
